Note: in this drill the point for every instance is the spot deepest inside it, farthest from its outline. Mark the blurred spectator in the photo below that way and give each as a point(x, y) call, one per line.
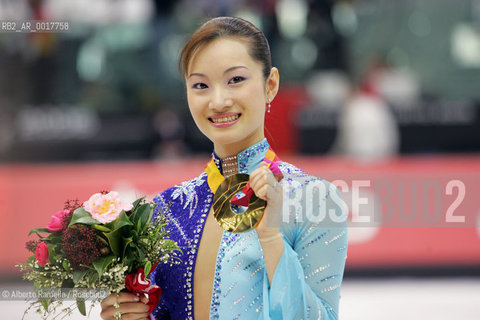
point(329, 89)
point(367, 128)
point(399, 87)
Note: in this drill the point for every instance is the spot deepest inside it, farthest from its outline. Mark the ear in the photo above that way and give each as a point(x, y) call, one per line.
point(272, 84)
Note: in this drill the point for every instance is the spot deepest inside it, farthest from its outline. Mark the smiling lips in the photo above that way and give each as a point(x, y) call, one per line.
point(224, 120)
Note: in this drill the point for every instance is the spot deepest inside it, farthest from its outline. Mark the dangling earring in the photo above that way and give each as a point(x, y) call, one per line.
point(269, 106)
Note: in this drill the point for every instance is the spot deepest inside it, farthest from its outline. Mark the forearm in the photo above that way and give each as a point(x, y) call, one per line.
point(294, 294)
point(273, 248)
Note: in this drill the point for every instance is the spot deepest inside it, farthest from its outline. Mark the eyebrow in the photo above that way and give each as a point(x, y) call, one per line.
point(224, 72)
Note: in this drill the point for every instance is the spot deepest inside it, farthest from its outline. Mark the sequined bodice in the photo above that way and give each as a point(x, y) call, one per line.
point(189, 205)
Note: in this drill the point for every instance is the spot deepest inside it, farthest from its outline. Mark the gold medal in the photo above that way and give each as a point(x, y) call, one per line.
point(232, 218)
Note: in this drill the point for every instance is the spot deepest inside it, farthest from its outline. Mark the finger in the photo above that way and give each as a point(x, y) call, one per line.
point(135, 316)
point(274, 190)
point(260, 176)
point(258, 180)
point(263, 166)
point(262, 192)
point(267, 178)
point(138, 308)
point(271, 178)
point(255, 173)
point(134, 307)
point(106, 302)
point(131, 316)
point(258, 184)
point(121, 298)
point(144, 299)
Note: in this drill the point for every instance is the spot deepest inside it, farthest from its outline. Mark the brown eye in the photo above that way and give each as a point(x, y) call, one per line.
point(236, 79)
point(199, 85)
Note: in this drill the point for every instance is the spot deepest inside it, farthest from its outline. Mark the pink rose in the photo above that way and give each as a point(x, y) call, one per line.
point(106, 207)
point(41, 253)
point(56, 223)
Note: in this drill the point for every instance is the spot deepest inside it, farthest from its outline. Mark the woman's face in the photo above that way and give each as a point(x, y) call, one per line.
point(227, 94)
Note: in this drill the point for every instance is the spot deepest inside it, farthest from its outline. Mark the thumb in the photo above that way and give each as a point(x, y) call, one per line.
point(144, 299)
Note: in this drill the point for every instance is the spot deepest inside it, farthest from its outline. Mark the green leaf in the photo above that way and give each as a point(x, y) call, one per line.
point(92, 277)
point(137, 202)
point(45, 303)
point(52, 256)
point(148, 267)
point(101, 264)
point(126, 242)
point(78, 275)
point(31, 259)
point(82, 216)
point(122, 221)
point(133, 233)
point(141, 255)
point(54, 238)
point(139, 212)
point(115, 241)
point(81, 307)
point(68, 283)
point(65, 265)
point(103, 240)
point(109, 225)
point(39, 230)
point(101, 228)
point(139, 225)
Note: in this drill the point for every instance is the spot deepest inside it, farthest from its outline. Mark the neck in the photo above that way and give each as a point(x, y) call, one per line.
point(244, 161)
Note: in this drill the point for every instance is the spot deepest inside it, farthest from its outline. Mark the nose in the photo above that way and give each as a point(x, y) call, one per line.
point(220, 101)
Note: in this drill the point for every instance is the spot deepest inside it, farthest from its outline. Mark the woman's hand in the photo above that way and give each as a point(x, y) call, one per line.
point(130, 306)
point(266, 187)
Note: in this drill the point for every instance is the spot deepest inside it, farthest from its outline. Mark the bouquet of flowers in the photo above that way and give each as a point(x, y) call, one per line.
point(102, 244)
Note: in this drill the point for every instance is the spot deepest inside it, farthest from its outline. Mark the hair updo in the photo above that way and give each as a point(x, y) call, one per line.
point(233, 27)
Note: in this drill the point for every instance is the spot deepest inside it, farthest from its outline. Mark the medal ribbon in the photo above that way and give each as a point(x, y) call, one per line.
point(215, 178)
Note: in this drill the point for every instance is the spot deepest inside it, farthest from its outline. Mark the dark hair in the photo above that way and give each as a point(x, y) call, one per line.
point(234, 27)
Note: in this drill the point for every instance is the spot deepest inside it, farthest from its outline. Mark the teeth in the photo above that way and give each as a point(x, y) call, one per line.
point(226, 119)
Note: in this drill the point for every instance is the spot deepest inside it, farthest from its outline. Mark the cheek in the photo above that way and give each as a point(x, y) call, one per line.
point(256, 104)
point(254, 97)
point(195, 105)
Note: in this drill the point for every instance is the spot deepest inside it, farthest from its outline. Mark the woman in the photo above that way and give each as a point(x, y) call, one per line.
point(291, 265)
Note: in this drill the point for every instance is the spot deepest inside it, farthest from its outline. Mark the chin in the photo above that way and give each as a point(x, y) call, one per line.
point(225, 139)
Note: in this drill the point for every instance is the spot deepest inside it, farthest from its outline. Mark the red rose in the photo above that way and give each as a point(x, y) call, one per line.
point(41, 254)
point(56, 223)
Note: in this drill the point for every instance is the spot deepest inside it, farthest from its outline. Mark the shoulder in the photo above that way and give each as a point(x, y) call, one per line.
point(181, 194)
point(310, 201)
point(298, 179)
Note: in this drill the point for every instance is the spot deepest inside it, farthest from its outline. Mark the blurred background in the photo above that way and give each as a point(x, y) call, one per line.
point(369, 88)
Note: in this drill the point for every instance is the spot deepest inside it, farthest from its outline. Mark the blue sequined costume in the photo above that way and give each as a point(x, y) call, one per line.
point(306, 283)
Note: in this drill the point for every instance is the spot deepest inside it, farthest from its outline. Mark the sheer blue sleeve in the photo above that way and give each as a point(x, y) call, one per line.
point(306, 282)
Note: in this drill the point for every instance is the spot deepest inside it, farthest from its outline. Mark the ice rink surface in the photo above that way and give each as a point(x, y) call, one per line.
point(369, 299)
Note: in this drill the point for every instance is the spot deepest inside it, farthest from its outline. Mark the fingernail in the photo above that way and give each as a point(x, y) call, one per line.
point(136, 299)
